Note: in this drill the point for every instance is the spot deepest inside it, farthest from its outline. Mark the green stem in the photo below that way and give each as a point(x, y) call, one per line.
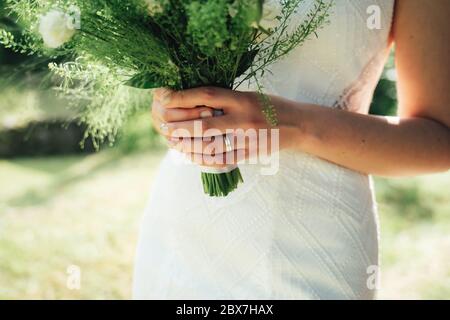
point(221, 184)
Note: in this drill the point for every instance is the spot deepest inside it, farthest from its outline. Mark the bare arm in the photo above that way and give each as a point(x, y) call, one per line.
point(416, 142)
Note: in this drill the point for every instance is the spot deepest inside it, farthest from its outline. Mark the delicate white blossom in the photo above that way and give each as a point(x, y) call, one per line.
point(232, 10)
point(56, 28)
point(154, 7)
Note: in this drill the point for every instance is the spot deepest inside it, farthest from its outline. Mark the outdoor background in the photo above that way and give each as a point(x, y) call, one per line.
point(61, 206)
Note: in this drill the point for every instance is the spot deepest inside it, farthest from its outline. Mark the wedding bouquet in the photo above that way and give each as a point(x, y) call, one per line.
point(112, 49)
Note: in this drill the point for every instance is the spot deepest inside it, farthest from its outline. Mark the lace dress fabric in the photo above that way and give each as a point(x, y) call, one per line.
point(308, 232)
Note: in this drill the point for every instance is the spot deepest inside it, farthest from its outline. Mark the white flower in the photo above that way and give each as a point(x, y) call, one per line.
point(56, 28)
point(232, 10)
point(154, 7)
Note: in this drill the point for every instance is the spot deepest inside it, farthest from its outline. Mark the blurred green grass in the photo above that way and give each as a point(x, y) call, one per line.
point(85, 211)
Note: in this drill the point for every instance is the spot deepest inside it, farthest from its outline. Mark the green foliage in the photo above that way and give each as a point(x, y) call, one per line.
point(163, 43)
point(385, 98)
point(99, 99)
point(121, 45)
point(208, 25)
point(407, 200)
point(139, 135)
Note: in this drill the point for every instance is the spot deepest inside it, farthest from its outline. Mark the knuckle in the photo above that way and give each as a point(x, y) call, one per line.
point(157, 93)
point(208, 93)
point(174, 99)
point(248, 98)
point(178, 97)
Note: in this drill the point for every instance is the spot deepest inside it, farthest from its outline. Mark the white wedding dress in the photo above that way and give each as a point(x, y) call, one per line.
point(308, 232)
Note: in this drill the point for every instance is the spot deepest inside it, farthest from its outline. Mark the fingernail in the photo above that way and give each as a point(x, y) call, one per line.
point(206, 114)
point(164, 128)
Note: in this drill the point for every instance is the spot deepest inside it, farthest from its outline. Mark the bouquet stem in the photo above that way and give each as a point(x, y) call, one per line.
point(221, 184)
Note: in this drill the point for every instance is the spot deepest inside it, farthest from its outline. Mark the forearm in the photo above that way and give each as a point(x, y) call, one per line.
point(370, 144)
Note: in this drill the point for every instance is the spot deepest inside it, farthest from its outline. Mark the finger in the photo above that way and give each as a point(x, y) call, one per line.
point(206, 146)
point(161, 93)
point(219, 160)
point(208, 127)
point(175, 115)
point(157, 124)
point(217, 98)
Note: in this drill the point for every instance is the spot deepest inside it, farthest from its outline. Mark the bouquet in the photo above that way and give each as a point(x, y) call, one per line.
point(110, 51)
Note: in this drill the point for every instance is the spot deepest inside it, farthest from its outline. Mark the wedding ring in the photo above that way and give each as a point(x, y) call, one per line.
point(228, 144)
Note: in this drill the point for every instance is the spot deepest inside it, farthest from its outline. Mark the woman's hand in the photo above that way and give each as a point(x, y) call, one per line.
point(217, 127)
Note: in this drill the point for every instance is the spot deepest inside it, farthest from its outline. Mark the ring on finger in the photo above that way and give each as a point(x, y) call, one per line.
point(228, 144)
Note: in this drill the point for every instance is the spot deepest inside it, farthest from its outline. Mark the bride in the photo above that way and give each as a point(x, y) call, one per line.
point(310, 230)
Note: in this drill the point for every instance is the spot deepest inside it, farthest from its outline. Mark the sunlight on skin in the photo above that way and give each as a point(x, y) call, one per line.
point(393, 120)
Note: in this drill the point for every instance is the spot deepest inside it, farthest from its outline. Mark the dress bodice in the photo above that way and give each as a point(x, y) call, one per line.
point(341, 67)
point(308, 232)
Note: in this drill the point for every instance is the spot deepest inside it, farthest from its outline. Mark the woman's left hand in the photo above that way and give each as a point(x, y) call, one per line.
point(187, 119)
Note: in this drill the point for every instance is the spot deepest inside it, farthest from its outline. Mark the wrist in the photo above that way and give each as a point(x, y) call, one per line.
point(294, 124)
